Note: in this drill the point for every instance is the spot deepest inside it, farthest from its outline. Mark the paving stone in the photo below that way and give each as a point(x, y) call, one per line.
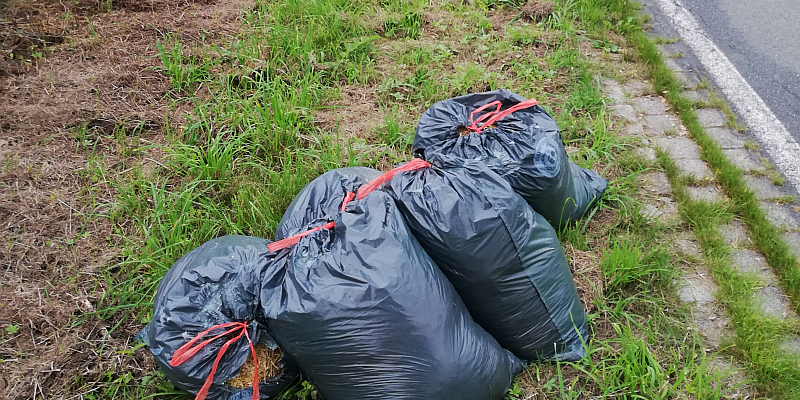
point(672, 64)
point(791, 346)
point(763, 188)
point(735, 235)
point(678, 147)
point(711, 323)
point(614, 91)
point(625, 111)
point(793, 240)
point(637, 88)
point(744, 159)
point(780, 215)
point(697, 95)
point(661, 124)
point(664, 210)
point(734, 382)
point(711, 117)
point(651, 105)
point(774, 303)
point(686, 244)
point(752, 262)
point(709, 194)
point(696, 169)
point(656, 182)
point(725, 138)
point(636, 129)
point(696, 287)
point(647, 153)
point(688, 79)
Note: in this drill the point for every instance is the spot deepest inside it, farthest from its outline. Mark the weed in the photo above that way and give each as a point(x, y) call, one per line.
point(662, 40)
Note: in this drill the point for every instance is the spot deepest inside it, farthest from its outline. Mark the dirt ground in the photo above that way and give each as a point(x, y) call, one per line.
point(71, 74)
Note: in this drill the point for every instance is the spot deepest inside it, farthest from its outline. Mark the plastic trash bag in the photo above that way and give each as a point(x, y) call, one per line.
point(504, 259)
point(518, 140)
point(322, 197)
point(215, 286)
point(365, 312)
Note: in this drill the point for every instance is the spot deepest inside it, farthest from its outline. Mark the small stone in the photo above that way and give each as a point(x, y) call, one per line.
point(687, 79)
point(696, 169)
point(624, 111)
point(751, 262)
point(711, 117)
point(650, 105)
point(735, 235)
point(678, 147)
point(673, 65)
point(743, 159)
point(725, 138)
point(708, 194)
point(647, 153)
point(793, 240)
point(614, 91)
point(773, 302)
point(662, 124)
point(656, 182)
point(762, 187)
point(697, 95)
point(637, 88)
point(780, 215)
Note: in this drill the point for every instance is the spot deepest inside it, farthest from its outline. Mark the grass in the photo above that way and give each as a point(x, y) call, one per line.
point(757, 337)
point(259, 130)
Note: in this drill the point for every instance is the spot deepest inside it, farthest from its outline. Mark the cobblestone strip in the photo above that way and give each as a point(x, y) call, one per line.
point(648, 117)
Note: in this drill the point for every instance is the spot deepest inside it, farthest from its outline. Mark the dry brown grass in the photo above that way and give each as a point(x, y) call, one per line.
point(55, 245)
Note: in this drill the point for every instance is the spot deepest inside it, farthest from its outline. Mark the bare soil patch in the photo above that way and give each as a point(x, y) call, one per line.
point(81, 74)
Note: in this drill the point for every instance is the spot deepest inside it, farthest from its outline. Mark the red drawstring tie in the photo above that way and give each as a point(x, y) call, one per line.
point(494, 116)
point(370, 186)
point(292, 240)
point(189, 349)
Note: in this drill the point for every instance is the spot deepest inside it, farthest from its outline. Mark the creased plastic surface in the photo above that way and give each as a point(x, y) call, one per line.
point(503, 258)
point(525, 148)
point(367, 315)
point(318, 198)
point(215, 283)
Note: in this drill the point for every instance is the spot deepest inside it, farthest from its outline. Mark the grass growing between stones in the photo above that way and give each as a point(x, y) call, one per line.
point(306, 86)
point(757, 337)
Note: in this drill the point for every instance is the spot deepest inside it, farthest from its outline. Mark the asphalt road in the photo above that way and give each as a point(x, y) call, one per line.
point(750, 51)
point(762, 39)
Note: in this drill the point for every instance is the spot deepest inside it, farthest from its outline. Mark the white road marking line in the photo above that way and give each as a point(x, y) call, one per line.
point(778, 143)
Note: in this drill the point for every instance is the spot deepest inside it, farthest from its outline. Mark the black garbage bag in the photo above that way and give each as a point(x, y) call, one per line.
point(215, 289)
point(504, 259)
point(518, 140)
point(366, 313)
point(320, 198)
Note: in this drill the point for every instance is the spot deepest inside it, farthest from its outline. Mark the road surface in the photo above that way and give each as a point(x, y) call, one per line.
point(749, 50)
